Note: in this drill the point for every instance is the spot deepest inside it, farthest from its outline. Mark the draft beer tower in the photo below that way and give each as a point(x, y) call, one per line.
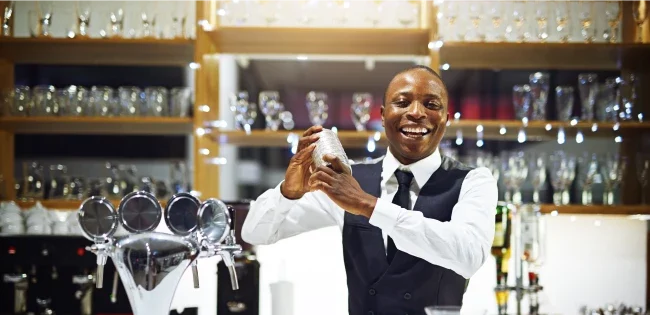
point(151, 264)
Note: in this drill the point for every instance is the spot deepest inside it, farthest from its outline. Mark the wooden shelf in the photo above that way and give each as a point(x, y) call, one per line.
point(535, 131)
point(98, 125)
point(597, 209)
point(71, 205)
point(336, 41)
point(540, 56)
point(96, 51)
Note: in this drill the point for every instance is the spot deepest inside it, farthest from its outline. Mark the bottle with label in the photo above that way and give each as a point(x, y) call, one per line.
point(532, 246)
point(501, 250)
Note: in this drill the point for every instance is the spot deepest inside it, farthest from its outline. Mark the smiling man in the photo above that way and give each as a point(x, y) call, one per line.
point(416, 225)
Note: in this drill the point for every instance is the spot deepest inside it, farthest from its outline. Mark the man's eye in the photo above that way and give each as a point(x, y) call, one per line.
point(401, 103)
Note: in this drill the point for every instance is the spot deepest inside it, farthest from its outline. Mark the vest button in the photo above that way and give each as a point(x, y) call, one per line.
point(372, 292)
point(407, 296)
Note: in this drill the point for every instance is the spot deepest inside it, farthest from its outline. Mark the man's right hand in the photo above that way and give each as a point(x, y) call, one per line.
point(296, 178)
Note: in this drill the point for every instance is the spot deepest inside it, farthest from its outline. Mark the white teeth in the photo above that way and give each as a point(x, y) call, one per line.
point(415, 130)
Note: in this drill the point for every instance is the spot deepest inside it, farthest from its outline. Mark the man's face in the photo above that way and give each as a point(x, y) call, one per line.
point(414, 115)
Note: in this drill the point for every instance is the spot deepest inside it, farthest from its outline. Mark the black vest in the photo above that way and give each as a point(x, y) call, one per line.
point(409, 283)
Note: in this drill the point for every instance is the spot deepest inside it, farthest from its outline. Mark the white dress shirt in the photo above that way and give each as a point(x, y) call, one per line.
point(461, 245)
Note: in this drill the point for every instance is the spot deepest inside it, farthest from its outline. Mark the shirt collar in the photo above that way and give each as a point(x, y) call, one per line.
point(422, 169)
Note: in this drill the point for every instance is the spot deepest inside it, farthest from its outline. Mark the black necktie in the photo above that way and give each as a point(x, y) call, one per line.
point(401, 199)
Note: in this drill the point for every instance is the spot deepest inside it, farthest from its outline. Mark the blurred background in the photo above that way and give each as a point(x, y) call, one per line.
point(210, 97)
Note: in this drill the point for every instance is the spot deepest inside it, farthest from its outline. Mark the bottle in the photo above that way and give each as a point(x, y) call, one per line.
point(501, 250)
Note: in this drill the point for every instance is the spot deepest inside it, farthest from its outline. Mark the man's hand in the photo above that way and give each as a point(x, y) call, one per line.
point(296, 179)
point(341, 187)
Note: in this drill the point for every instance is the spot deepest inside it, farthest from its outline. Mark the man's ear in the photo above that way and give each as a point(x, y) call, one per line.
point(382, 116)
point(447, 117)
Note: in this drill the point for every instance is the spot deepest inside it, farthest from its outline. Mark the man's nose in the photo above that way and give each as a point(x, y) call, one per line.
point(416, 111)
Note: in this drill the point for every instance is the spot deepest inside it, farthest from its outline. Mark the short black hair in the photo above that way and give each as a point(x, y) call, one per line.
point(415, 67)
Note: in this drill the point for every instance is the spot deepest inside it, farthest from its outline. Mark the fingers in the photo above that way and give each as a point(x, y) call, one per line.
point(337, 164)
point(319, 185)
point(320, 176)
point(309, 136)
point(304, 155)
point(326, 170)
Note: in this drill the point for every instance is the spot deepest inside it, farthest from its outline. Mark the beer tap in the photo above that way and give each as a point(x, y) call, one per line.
point(85, 282)
point(229, 249)
point(20, 290)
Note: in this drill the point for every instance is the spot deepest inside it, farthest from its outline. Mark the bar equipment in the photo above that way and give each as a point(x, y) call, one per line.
point(501, 250)
point(151, 263)
point(329, 143)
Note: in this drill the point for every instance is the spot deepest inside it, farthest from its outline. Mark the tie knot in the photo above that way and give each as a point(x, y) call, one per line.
point(404, 178)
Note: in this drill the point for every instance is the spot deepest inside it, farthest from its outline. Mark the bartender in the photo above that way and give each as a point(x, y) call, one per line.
point(416, 225)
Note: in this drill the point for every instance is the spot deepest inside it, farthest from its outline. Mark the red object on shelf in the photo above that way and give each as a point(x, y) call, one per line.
point(504, 108)
point(470, 107)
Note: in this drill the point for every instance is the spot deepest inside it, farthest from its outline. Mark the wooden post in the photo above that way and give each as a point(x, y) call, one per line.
point(434, 52)
point(7, 137)
point(206, 173)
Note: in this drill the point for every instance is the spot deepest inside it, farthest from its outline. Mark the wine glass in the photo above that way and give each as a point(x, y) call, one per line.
point(640, 13)
point(564, 102)
point(360, 110)
point(521, 99)
point(496, 12)
point(562, 171)
point(588, 174)
point(539, 86)
point(586, 17)
point(538, 174)
point(515, 172)
point(83, 17)
point(613, 168)
point(562, 20)
point(244, 110)
point(450, 13)
point(588, 87)
point(519, 20)
point(613, 15)
point(317, 107)
point(475, 17)
point(269, 103)
point(541, 16)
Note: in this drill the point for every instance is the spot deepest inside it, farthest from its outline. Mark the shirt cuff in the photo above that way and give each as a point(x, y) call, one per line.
point(385, 215)
point(281, 201)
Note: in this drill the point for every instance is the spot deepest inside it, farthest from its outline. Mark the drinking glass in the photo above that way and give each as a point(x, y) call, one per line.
point(156, 102)
point(116, 18)
point(562, 20)
point(539, 86)
point(44, 101)
point(8, 13)
point(562, 171)
point(541, 17)
point(476, 16)
point(179, 19)
point(148, 18)
point(496, 12)
point(564, 102)
point(131, 100)
point(34, 188)
point(102, 102)
point(606, 101)
point(40, 19)
point(519, 21)
point(538, 174)
point(244, 110)
point(450, 13)
point(640, 11)
point(270, 106)
point(521, 99)
point(360, 110)
point(75, 101)
point(613, 15)
point(83, 17)
point(317, 107)
point(407, 12)
point(180, 101)
point(515, 172)
point(588, 87)
point(588, 174)
point(15, 101)
point(612, 170)
point(586, 18)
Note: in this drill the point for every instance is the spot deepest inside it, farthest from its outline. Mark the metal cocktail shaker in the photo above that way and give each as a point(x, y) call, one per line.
point(329, 143)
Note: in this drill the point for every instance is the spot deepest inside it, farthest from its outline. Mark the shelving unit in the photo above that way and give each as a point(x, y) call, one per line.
point(70, 205)
point(596, 209)
point(93, 51)
point(98, 125)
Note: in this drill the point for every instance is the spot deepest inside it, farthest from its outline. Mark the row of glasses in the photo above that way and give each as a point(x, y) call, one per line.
point(36, 220)
point(118, 181)
point(611, 101)
point(112, 13)
point(525, 21)
point(273, 109)
point(104, 101)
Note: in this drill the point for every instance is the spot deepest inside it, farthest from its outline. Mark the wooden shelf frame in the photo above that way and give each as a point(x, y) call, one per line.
point(98, 125)
point(95, 51)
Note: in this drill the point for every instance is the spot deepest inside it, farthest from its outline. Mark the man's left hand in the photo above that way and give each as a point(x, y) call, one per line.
point(341, 187)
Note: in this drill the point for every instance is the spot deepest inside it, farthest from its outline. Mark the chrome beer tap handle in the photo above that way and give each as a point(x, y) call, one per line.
point(195, 274)
point(228, 251)
point(14, 278)
point(101, 251)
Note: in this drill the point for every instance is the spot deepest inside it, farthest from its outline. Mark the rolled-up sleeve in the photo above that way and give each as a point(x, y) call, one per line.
point(462, 244)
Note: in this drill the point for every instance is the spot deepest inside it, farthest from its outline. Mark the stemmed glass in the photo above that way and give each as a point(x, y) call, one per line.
point(7, 15)
point(541, 16)
point(587, 20)
point(521, 99)
point(515, 172)
point(496, 12)
point(562, 171)
point(643, 172)
point(588, 174)
point(40, 19)
point(475, 17)
point(360, 109)
point(83, 17)
point(179, 19)
point(317, 107)
point(407, 12)
point(148, 17)
point(562, 13)
point(613, 15)
point(612, 170)
point(640, 12)
point(116, 27)
point(450, 14)
point(519, 20)
point(245, 111)
point(269, 102)
point(538, 174)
